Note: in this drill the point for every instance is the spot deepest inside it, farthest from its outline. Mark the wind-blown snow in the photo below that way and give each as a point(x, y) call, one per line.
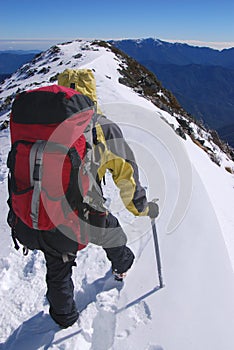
point(195, 309)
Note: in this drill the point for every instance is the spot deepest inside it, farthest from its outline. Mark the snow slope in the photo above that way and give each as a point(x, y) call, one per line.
point(195, 309)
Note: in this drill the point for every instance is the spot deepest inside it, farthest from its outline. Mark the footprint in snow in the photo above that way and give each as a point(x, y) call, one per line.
point(104, 324)
point(89, 292)
point(154, 347)
point(30, 268)
point(138, 314)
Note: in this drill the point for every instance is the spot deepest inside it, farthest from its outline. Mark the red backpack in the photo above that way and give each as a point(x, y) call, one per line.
point(48, 148)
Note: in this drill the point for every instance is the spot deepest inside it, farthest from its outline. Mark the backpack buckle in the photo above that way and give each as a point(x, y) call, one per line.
point(36, 172)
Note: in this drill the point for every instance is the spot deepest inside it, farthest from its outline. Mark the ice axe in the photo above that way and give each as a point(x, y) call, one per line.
point(157, 253)
point(159, 266)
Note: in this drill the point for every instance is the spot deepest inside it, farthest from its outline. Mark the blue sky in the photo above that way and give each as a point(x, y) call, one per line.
point(38, 24)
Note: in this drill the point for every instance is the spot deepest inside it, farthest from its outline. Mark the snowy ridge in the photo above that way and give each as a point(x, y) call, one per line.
point(195, 308)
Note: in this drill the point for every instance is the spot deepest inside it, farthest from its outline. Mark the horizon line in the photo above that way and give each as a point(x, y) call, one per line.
point(218, 45)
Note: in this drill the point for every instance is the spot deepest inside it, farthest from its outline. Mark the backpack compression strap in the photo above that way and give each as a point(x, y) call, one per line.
point(36, 155)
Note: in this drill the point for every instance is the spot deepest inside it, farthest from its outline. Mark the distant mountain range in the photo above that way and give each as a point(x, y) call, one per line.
point(10, 61)
point(202, 79)
point(4, 76)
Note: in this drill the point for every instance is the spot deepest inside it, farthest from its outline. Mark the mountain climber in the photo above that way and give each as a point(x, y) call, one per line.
point(110, 152)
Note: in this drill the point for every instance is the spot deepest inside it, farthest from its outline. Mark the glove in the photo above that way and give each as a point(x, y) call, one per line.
point(153, 210)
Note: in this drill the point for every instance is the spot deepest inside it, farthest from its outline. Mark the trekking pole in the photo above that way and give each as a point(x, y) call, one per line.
point(157, 252)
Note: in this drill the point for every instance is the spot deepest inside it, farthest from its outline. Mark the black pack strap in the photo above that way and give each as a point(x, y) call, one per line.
point(75, 158)
point(74, 191)
point(11, 165)
point(74, 194)
point(25, 250)
point(16, 245)
point(68, 257)
point(9, 186)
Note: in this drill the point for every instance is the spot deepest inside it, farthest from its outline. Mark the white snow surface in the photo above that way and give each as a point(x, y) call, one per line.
point(195, 309)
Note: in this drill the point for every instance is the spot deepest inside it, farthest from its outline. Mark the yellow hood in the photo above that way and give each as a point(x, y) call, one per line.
point(81, 80)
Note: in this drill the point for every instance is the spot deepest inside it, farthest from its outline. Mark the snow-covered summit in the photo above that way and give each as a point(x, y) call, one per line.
point(195, 308)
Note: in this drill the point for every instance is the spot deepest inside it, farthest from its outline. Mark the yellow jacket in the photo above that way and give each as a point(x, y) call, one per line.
point(117, 157)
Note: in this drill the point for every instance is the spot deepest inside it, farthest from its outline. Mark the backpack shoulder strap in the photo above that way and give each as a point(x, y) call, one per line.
point(94, 197)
